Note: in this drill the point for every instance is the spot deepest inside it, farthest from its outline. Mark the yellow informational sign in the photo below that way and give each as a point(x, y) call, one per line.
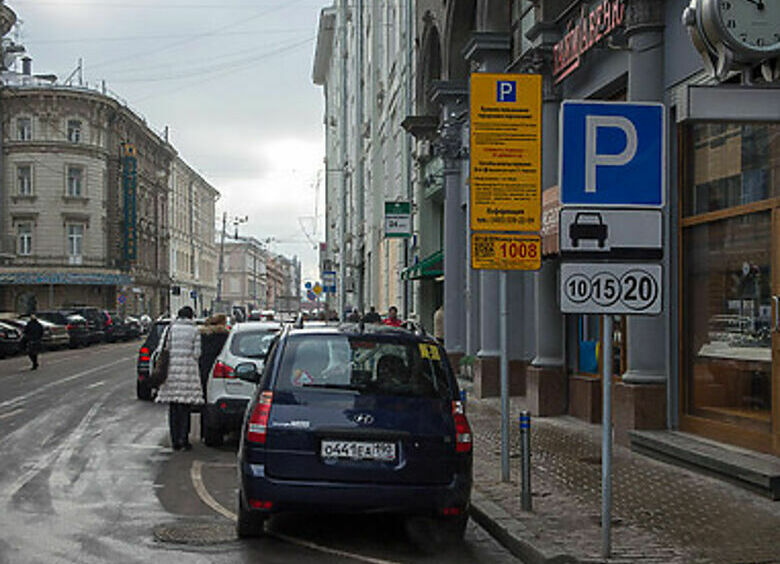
point(317, 289)
point(502, 251)
point(506, 152)
point(430, 352)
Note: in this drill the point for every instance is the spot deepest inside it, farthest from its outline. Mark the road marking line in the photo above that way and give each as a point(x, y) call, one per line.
point(17, 400)
point(95, 385)
point(11, 413)
point(196, 473)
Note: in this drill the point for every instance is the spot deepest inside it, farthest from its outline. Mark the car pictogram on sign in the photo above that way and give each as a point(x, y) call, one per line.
point(588, 226)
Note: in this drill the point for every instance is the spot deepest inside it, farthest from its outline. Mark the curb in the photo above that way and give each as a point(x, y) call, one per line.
point(508, 532)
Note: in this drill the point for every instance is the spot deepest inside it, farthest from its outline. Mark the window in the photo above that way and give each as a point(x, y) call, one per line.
point(24, 180)
point(24, 234)
point(75, 239)
point(24, 129)
point(75, 178)
point(74, 131)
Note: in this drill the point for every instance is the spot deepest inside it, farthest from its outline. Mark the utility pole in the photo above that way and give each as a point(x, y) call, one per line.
point(221, 257)
point(342, 285)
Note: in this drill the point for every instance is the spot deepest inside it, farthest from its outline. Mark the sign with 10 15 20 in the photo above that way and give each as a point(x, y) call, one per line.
point(611, 288)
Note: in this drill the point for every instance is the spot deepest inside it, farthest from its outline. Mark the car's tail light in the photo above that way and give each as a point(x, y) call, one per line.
point(143, 354)
point(70, 327)
point(222, 370)
point(258, 421)
point(260, 504)
point(462, 428)
point(451, 511)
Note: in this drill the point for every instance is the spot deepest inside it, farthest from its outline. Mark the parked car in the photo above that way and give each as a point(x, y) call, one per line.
point(116, 328)
point(55, 336)
point(145, 358)
point(134, 327)
point(76, 325)
point(10, 340)
point(96, 323)
point(354, 419)
point(226, 395)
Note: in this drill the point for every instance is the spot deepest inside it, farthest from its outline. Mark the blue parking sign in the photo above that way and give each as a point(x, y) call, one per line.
point(506, 91)
point(612, 154)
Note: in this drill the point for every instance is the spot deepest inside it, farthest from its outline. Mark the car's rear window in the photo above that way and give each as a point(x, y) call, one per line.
point(366, 365)
point(253, 344)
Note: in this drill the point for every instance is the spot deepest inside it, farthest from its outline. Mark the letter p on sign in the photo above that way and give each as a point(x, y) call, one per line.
point(506, 91)
point(612, 154)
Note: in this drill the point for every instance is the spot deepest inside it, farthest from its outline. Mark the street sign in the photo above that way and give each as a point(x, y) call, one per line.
point(398, 219)
point(311, 295)
point(317, 289)
point(329, 281)
point(493, 251)
point(612, 154)
point(611, 288)
point(506, 152)
point(608, 233)
point(194, 294)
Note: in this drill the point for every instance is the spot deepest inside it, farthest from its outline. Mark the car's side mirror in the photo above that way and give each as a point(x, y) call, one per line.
point(247, 371)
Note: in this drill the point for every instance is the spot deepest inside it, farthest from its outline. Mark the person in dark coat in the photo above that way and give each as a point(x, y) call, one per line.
point(33, 335)
point(212, 338)
point(372, 316)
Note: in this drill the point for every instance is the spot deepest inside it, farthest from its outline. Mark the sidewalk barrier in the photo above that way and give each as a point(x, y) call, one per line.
point(525, 441)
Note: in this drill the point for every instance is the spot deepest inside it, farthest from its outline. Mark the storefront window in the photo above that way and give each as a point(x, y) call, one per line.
point(729, 201)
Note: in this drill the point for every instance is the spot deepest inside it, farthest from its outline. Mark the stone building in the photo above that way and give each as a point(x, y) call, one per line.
point(706, 365)
point(246, 278)
point(193, 253)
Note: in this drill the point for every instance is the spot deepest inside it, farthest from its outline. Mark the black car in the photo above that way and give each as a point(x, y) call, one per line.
point(78, 329)
point(355, 419)
point(10, 340)
point(134, 327)
point(115, 326)
point(96, 322)
point(143, 366)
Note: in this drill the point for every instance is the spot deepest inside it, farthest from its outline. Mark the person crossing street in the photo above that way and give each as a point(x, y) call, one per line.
point(33, 335)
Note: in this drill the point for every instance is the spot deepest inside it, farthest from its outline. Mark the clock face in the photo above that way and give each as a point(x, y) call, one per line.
point(753, 25)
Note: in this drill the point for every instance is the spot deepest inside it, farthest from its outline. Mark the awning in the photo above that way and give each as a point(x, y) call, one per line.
point(431, 266)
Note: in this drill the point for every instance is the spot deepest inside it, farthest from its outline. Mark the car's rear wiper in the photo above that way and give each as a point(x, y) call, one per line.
point(335, 386)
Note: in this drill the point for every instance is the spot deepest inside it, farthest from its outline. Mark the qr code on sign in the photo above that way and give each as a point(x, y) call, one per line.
point(483, 247)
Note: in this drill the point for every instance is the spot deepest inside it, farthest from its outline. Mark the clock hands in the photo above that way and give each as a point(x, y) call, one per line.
point(759, 3)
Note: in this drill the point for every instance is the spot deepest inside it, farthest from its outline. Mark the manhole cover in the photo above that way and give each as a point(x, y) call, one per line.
point(195, 532)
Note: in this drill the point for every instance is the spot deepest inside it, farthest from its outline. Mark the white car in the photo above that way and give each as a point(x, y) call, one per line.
point(226, 394)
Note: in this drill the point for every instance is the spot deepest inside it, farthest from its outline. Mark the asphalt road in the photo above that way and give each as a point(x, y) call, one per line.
point(87, 475)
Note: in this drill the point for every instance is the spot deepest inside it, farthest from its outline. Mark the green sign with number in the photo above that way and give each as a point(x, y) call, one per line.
point(398, 219)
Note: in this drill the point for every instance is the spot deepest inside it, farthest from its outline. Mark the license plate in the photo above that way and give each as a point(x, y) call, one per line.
point(358, 450)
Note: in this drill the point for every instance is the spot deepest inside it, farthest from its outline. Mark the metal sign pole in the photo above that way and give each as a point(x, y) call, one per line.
point(503, 313)
point(606, 444)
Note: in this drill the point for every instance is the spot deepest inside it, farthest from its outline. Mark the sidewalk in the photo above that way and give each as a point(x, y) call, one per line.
point(661, 513)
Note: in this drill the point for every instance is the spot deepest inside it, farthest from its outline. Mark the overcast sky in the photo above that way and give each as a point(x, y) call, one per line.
point(232, 80)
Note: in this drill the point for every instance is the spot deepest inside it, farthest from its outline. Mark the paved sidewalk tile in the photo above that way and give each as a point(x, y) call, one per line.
point(661, 513)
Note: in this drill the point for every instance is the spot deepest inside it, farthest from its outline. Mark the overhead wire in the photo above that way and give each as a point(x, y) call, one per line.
point(35, 41)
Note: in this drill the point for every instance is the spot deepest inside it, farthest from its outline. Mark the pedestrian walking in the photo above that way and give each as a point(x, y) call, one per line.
point(392, 318)
point(181, 389)
point(212, 338)
point(438, 324)
point(372, 316)
point(32, 336)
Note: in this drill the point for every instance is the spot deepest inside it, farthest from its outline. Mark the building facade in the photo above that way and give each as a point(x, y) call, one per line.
point(193, 253)
point(707, 364)
point(245, 279)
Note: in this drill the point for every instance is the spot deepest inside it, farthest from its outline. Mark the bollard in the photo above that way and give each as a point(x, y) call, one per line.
point(525, 442)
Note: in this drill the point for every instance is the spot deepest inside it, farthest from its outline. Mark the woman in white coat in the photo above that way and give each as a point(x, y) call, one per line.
point(181, 388)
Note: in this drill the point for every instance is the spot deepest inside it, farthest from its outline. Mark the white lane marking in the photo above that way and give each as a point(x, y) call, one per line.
point(19, 399)
point(11, 413)
point(68, 444)
point(96, 385)
point(196, 473)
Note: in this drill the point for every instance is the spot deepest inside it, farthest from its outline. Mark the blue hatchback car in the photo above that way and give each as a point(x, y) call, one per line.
point(352, 419)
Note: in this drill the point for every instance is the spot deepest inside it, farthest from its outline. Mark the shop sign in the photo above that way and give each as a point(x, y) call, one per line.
point(64, 278)
point(585, 31)
point(506, 251)
point(506, 133)
point(129, 189)
point(551, 208)
point(398, 219)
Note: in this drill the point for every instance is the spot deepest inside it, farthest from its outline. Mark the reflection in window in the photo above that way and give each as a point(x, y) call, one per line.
point(732, 165)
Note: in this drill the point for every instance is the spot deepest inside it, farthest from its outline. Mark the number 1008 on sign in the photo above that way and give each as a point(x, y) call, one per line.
point(611, 288)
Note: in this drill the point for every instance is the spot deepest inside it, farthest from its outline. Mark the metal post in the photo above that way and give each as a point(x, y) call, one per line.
point(504, 361)
point(221, 257)
point(606, 445)
point(343, 158)
point(525, 440)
